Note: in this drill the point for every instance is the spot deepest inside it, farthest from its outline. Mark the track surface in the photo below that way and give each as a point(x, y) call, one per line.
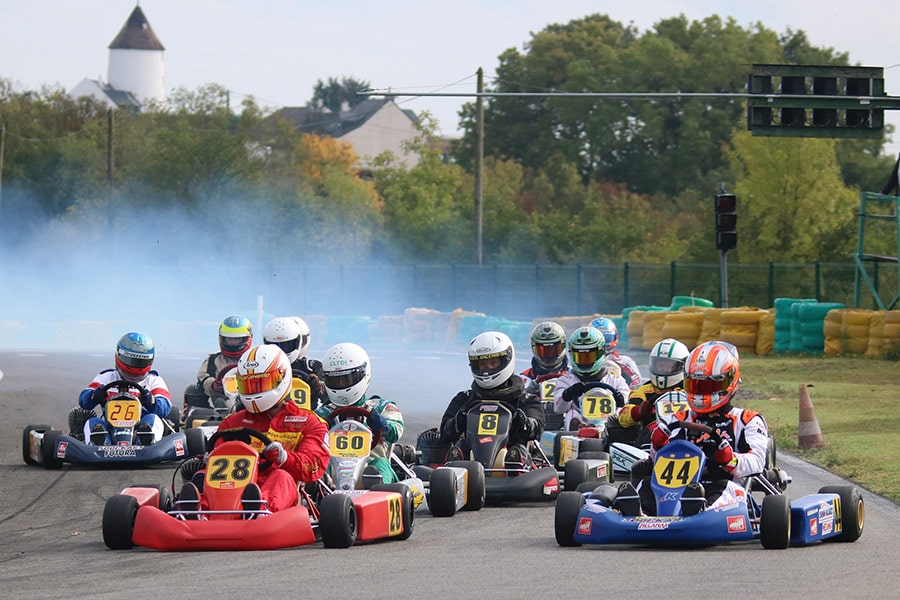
point(51, 544)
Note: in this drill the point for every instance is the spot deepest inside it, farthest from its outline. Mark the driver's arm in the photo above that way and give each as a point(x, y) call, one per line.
point(448, 421)
point(308, 459)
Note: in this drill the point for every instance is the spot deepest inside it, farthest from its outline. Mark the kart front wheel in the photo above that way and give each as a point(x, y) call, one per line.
point(476, 491)
point(26, 442)
point(576, 474)
point(775, 522)
point(196, 441)
point(442, 493)
point(568, 505)
point(853, 511)
point(337, 521)
point(48, 450)
point(118, 521)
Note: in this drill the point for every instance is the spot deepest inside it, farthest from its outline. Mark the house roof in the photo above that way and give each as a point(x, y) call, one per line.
point(136, 34)
point(311, 120)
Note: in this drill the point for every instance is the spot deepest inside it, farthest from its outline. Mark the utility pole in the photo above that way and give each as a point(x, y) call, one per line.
point(109, 149)
point(479, 166)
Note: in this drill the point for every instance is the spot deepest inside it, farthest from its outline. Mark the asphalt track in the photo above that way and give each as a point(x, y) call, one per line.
point(51, 544)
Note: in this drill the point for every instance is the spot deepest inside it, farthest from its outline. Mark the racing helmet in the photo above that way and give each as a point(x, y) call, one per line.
point(548, 344)
point(235, 335)
point(305, 336)
point(667, 363)
point(134, 356)
point(492, 359)
point(347, 373)
point(712, 375)
point(285, 333)
point(263, 378)
point(587, 349)
point(609, 330)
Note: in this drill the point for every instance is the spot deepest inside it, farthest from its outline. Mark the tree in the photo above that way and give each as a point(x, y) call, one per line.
point(334, 94)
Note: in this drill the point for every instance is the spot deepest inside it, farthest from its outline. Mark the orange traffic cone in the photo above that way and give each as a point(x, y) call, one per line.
point(809, 435)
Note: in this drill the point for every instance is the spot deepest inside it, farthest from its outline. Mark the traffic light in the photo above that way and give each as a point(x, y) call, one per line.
point(726, 221)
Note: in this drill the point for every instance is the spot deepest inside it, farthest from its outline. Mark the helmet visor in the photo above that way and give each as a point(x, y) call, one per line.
point(703, 386)
point(250, 384)
point(234, 344)
point(135, 360)
point(547, 353)
point(287, 346)
point(660, 365)
point(586, 358)
point(342, 380)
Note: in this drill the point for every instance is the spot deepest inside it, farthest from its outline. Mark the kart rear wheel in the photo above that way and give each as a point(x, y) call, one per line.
point(771, 453)
point(442, 493)
point(196, 441)
point(853, 511)
point(26, 442)
point(337, 521)
point(174, 418)
point(568, 505)
point(408, 507)
point(48, 450)
point(118, 521)
point(165, 499)
point(775, 522)
point(476, 491)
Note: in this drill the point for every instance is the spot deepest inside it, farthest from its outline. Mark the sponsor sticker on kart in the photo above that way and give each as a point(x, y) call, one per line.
point(653, 525)
point(601, 471)
point(551, 487)
point(736, 524)
point(584, 525)
point(179, 448)
point(813, 526)
point(826, 517)
point(61, 449)
point(119, 451)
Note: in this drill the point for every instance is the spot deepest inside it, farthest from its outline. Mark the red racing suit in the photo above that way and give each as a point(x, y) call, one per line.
point(302, 434)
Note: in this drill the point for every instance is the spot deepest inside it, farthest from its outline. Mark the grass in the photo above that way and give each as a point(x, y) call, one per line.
point(855, 401)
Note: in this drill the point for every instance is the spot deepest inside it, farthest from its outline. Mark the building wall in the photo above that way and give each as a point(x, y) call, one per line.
point(385, 130)
point(89, 87)
point(140, 72)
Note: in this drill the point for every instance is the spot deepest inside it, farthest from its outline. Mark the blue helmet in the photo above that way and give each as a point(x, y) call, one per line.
point(134, 356)
point(610, 333)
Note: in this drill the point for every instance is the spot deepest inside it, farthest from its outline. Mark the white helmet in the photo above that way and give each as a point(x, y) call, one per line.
point(289, 335)
point(492, 359)
point(347, 373)
point(667, 359)
point(263, 378)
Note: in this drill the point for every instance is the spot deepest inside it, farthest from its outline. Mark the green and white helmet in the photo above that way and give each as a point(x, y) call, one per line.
point(587, 349)
point(548, 344)
point(667, 359)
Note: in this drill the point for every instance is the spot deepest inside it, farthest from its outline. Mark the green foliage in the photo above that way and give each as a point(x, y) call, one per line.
point(334, 94)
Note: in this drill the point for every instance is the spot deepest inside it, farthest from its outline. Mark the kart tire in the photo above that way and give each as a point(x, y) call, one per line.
point(442, 493)
point(771, 453)
point(48, 450)
point(565, 519)
point(476, 490)
point(174, 417)
point(600, 456)
point(853, 511)
point(196, 441)
point(26, 442)
point(166, 499)
point(576, 473)
point(775, 522)
point(118, 521)
point(337, 521)
point(408, 505)
point(589, 445)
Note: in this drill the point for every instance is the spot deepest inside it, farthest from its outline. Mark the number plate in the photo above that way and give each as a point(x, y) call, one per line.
point(349, 444)
point(674, 471)
point(230, 471)
point(123, 412)
point(597, 405)
point(300, 393)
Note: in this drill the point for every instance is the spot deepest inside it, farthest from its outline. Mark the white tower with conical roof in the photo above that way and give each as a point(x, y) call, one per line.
point(136, 60)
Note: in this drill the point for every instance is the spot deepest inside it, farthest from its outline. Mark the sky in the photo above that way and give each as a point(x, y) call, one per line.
point(276, 50)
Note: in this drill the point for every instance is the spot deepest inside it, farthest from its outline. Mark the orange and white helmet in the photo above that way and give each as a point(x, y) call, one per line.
point(712, 375)
point(263, 377)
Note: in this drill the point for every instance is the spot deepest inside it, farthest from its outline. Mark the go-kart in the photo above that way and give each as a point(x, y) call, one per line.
point(487, 434)
point(447, 489)
point(50, 448)
point(578, 453)
point(836, 513)
point(223, 519)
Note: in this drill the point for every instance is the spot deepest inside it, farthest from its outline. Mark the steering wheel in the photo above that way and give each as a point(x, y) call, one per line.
point(123, 386)
point(617, 395)
point(350, 412)
point(221, 375)
point(241, 434)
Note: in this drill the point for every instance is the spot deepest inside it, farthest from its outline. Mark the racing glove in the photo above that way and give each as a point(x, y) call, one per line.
point(98, 396)
point(218, 387)
point(460, 421)
point(522, 422)
point(147, 399)
point(573, 392)
point(718, 450)
point(376, 421)
point(643, 412)
point(275, 453)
